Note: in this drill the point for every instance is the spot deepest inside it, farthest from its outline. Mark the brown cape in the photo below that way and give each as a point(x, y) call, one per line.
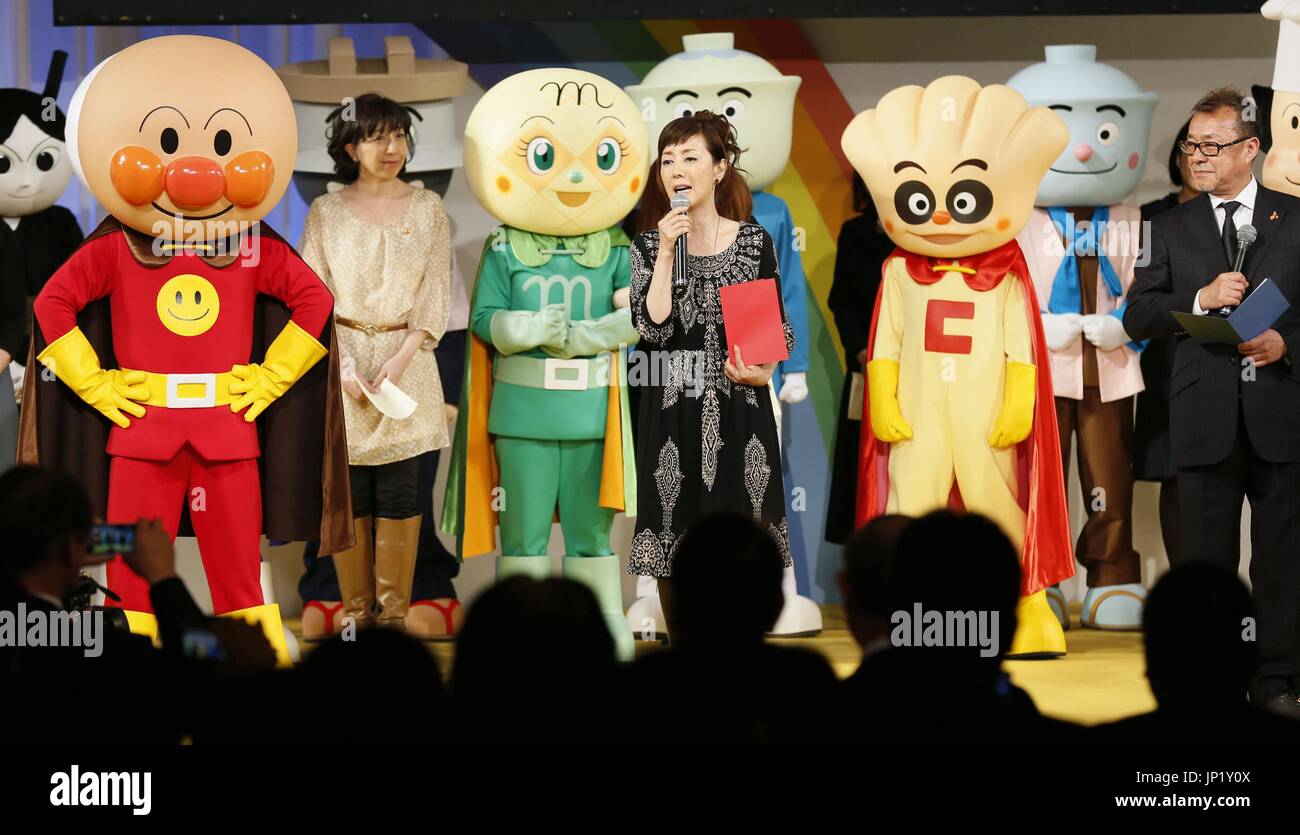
point(304, 462)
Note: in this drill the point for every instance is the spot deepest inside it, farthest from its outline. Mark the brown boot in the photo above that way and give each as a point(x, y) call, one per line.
point(396, 543)
point(356, 570)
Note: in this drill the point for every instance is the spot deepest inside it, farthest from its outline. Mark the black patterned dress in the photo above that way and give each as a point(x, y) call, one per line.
point(703, 444)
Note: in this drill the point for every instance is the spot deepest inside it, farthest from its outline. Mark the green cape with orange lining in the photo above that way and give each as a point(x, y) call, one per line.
point(469, 509)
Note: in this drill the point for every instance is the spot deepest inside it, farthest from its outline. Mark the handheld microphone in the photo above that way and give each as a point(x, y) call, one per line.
point(1246, 236)
point(679, 260)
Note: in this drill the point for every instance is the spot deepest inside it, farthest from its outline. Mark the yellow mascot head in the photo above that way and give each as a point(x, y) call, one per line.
point(953, 168)
point(557, 152)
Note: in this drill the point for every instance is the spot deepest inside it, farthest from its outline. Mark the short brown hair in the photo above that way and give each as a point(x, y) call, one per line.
point(372, 115)
point(731, 196)
point(1231, 98)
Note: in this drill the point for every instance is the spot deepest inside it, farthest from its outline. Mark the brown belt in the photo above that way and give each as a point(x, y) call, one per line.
point(369, 328)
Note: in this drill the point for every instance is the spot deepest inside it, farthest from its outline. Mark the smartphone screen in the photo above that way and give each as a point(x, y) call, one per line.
point(111, 539)
point(202, 645)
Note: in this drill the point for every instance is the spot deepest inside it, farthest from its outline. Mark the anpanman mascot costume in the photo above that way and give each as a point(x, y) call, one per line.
point(959, 385)
point(182, 319)
point(559, 156)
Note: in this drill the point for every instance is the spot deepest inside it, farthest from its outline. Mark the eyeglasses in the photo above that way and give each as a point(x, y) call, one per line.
point(1209, 149)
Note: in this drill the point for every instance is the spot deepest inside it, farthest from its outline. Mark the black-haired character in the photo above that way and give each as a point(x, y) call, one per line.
point(36, 236)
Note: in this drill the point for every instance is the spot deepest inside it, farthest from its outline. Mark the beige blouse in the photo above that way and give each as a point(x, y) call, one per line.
point(396, 274)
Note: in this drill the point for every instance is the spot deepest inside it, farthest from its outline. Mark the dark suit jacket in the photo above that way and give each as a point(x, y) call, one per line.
point(1185, 255)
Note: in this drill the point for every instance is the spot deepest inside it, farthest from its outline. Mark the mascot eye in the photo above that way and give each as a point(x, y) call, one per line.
point(541, 155)
point(221, 143)
point(1295, 123)
point(47, 159)
point(734, 110)
point(683, 108)
point(4, 164)
point(179, 297)
point(914, 202)
point(1108, 133)
point(969, 201)
point(198, 297)
point(608, 155)
point(169, 141)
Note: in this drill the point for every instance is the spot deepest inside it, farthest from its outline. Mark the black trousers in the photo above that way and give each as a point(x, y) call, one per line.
point(387, 491)
point(434, 565)
point(1210, 499)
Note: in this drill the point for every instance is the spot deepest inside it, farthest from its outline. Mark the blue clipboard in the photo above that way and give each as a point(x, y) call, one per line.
point(1260, 310)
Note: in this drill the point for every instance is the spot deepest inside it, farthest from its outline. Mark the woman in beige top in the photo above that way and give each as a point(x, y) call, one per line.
point(384, 249)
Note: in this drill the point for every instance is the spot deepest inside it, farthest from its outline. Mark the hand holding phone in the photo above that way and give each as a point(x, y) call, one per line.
point(110, 540)
point(154, 556)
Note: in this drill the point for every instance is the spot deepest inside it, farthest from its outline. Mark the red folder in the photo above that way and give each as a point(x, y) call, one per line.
point(751, 316)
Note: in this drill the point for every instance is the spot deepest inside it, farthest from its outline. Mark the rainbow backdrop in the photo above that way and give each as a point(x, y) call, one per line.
point(816, 185)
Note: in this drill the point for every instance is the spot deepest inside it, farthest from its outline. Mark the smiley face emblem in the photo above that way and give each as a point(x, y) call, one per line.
point(188, 305)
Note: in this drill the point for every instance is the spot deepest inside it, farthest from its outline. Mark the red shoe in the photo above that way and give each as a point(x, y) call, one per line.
point(321, 619)
point(435, 620)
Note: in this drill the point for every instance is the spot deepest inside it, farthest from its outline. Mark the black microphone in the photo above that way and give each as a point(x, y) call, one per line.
point(1246, 236)
point(679, 261)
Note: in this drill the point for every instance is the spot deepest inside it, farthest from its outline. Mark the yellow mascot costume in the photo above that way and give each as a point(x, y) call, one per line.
point(959, 393)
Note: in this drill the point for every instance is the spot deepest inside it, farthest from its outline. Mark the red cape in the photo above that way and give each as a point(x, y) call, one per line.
point(1047, 557)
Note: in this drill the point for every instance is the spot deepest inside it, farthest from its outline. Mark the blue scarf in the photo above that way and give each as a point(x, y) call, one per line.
point(1084, 239)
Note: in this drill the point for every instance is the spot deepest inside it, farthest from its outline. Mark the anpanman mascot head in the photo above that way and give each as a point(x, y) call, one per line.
point(953, 167)
point(557, 152)
point(183, 137)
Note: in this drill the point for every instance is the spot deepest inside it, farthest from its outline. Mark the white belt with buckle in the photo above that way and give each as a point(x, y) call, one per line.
point(176, 401)
point(552, 380)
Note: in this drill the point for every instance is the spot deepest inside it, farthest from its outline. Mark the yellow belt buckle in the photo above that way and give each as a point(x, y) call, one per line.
point(176, 400)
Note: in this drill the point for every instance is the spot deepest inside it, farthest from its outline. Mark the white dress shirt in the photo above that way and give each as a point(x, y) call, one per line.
point(1244, 215)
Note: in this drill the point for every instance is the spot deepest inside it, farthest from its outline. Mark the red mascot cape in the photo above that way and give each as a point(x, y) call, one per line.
point(1047, 558)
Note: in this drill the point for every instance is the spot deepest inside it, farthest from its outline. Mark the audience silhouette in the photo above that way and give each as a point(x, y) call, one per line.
point(720, 681)
point(930, 603)
point(1200, 656)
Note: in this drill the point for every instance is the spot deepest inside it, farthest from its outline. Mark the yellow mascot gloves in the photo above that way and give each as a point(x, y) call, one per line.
point(290, 356)
point(1017, 415)
point(111, 392)
point(886, 420)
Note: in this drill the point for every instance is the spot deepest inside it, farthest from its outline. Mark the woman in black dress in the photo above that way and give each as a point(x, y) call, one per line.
point(707, 438)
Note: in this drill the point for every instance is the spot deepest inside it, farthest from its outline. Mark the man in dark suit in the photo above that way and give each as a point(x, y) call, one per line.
point(1234, 410)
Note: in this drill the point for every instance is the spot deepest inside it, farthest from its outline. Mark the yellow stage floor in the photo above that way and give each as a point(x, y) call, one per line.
point(1101, 678)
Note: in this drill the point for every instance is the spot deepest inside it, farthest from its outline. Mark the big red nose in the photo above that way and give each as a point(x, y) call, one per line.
point(194, 182)
point(1083, 153)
